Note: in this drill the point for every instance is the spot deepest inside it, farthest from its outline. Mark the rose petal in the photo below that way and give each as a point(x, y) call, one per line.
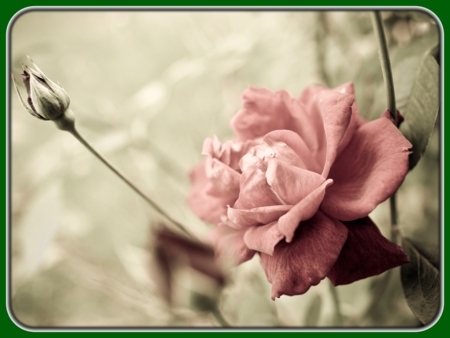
point(366, 253)
point(283, 152)
point(316, 141)
point(295, 267)
point(229, 244)
point(229, 153)
point(356, 121)
point(346, 88)
point(224, 179)
point(263, 238)
point(212, 147)
point(257, 157)
point(368, 171)
point(263, 112)
point(298, 145)
point(205, 200)
point(336, 110)
point(291, 183)
point(256, 216)
point(255, 192)
point(309, 97)
point(338, 124)
point(304, 210)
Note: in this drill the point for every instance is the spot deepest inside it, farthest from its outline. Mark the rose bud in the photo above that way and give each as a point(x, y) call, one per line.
point(46, 99)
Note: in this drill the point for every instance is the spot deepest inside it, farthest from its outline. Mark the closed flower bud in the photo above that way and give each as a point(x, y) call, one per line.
point(46, 99)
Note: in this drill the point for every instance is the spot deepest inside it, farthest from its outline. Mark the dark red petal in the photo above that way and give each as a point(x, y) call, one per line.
point(366, 253)
point(296, 266)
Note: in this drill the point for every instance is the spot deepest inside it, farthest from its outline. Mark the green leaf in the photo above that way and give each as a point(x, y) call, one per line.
point(421, 108)
point(416, 82)
point(312, 316)
point(369, 85)
point(420, 280)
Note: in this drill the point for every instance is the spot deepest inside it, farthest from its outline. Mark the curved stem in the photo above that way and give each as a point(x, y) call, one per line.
point(385, 63)
point(393, 208)
point(390, 93)
point(70, 127)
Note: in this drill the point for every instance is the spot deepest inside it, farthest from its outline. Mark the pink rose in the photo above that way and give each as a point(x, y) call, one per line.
point(296, 186)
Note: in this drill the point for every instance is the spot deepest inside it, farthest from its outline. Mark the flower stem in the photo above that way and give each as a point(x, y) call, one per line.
point(385, 63)
point(393, 208)
point(68, 124)
point(390, 93)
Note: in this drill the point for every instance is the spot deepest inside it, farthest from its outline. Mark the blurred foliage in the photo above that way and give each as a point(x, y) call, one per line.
point(147, 88)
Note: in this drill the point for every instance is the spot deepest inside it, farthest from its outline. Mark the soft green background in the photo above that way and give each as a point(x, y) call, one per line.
point(164, 81)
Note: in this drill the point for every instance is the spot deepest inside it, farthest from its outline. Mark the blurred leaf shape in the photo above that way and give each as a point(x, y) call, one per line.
point(173, 252)
point(313, 312)
point(39, 225)
point(421, 107)
point(420, 280)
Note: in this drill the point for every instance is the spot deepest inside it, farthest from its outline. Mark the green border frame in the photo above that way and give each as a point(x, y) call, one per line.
point(11, 8)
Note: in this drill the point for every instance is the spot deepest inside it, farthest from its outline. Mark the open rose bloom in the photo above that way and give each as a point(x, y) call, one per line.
point(296, 186)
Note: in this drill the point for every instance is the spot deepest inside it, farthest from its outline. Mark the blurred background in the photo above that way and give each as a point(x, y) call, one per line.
point(147, 88)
